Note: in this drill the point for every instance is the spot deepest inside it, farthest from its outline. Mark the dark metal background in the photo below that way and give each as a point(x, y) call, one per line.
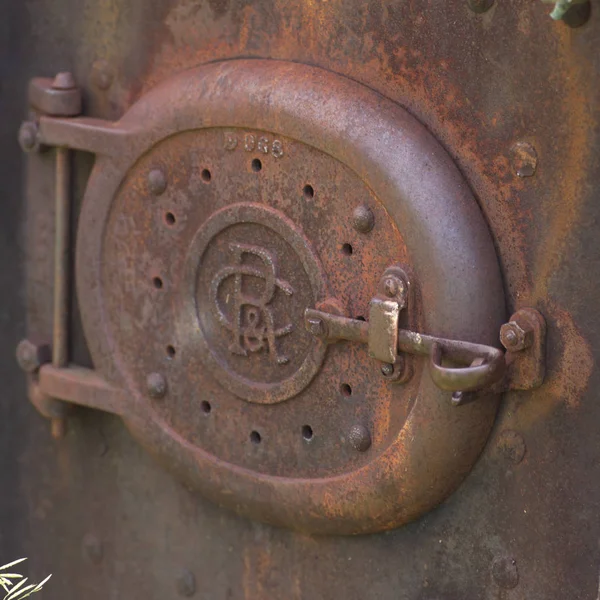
point(97, 512)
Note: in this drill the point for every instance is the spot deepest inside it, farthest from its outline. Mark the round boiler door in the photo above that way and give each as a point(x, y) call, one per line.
point(255, 190)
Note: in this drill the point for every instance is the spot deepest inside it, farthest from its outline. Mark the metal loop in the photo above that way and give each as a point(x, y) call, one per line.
point(486, 366)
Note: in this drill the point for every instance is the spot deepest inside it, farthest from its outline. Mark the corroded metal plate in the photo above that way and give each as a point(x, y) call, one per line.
point(227, 213)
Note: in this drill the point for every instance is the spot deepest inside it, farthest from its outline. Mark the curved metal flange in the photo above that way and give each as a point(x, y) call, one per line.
point(452, 254)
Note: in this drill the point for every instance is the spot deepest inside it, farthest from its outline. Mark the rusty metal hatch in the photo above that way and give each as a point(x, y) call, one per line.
point(512, 96)
point(263, 249)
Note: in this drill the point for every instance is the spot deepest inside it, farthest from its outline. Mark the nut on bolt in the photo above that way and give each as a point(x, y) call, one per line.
point(32, 356)
point(516, 335)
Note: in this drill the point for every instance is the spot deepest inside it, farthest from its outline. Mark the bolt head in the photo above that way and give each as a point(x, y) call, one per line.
point(64, 81)
point(92, 549)
point(525, 159)
point(32, 356)
point(363, 219)
point(387, 370)
point(480, 6)
point(156, 385)
point(186, 583)
point(28, 137)
point(360, 438)
point(102, 75)
point(516, 336)
point(157, 182)
point(390, 287)
point(505, 572)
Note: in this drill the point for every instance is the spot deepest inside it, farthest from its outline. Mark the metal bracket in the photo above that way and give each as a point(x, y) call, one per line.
point(474, 366)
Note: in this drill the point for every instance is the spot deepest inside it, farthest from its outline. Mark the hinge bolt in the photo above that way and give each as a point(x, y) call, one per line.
point(64, 81)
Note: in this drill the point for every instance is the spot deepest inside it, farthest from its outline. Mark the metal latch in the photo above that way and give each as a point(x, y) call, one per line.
point(456, 366)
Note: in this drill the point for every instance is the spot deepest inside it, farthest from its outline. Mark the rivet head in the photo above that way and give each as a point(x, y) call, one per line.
point(157, 385)
point(359, 438)
point(390, 287)
point(28, 136)
point(480, 6)
point(92, 549)
point(505, 572)
point(186, 583)
point(157, 182)
point(31, 356)
point(512, 446)
point(63, 81)
point(387, 370)
point(524, 159)
point(363, 219)
point(102, 75)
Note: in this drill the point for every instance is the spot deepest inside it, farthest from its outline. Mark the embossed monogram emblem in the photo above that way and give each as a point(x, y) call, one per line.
point(251, 319)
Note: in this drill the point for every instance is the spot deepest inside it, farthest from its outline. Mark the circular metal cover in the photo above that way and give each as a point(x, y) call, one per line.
point(199, 248)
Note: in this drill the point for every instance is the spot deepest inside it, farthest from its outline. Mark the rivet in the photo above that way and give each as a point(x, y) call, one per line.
point(359, 438)
point(31, 356)
point(363, 219)
point(505, 572)
point(157, 182)
point(102, 75)
point(186, 583)
point(63, 81)
point(525, 159)
point(157, 385)
point(92, 549)
point(512, 446)
point(480, 6)
point(390, 287)
point(387, 370)
point(28, 136)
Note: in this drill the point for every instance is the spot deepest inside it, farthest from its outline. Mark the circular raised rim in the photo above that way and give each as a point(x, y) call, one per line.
point(260, 392)
point(452, 254)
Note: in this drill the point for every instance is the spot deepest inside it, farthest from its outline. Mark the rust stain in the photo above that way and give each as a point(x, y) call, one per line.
point(573, 163)
point(573, 364)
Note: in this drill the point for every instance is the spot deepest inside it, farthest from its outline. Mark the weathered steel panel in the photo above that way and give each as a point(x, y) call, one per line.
point(94, 508)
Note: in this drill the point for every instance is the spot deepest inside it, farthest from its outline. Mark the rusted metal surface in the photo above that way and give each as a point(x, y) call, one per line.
point(522, 525)
point(59, 96)
point(524, 338)
point(181, 271)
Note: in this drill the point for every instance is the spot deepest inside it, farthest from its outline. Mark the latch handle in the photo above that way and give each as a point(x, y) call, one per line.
point(486, 364)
